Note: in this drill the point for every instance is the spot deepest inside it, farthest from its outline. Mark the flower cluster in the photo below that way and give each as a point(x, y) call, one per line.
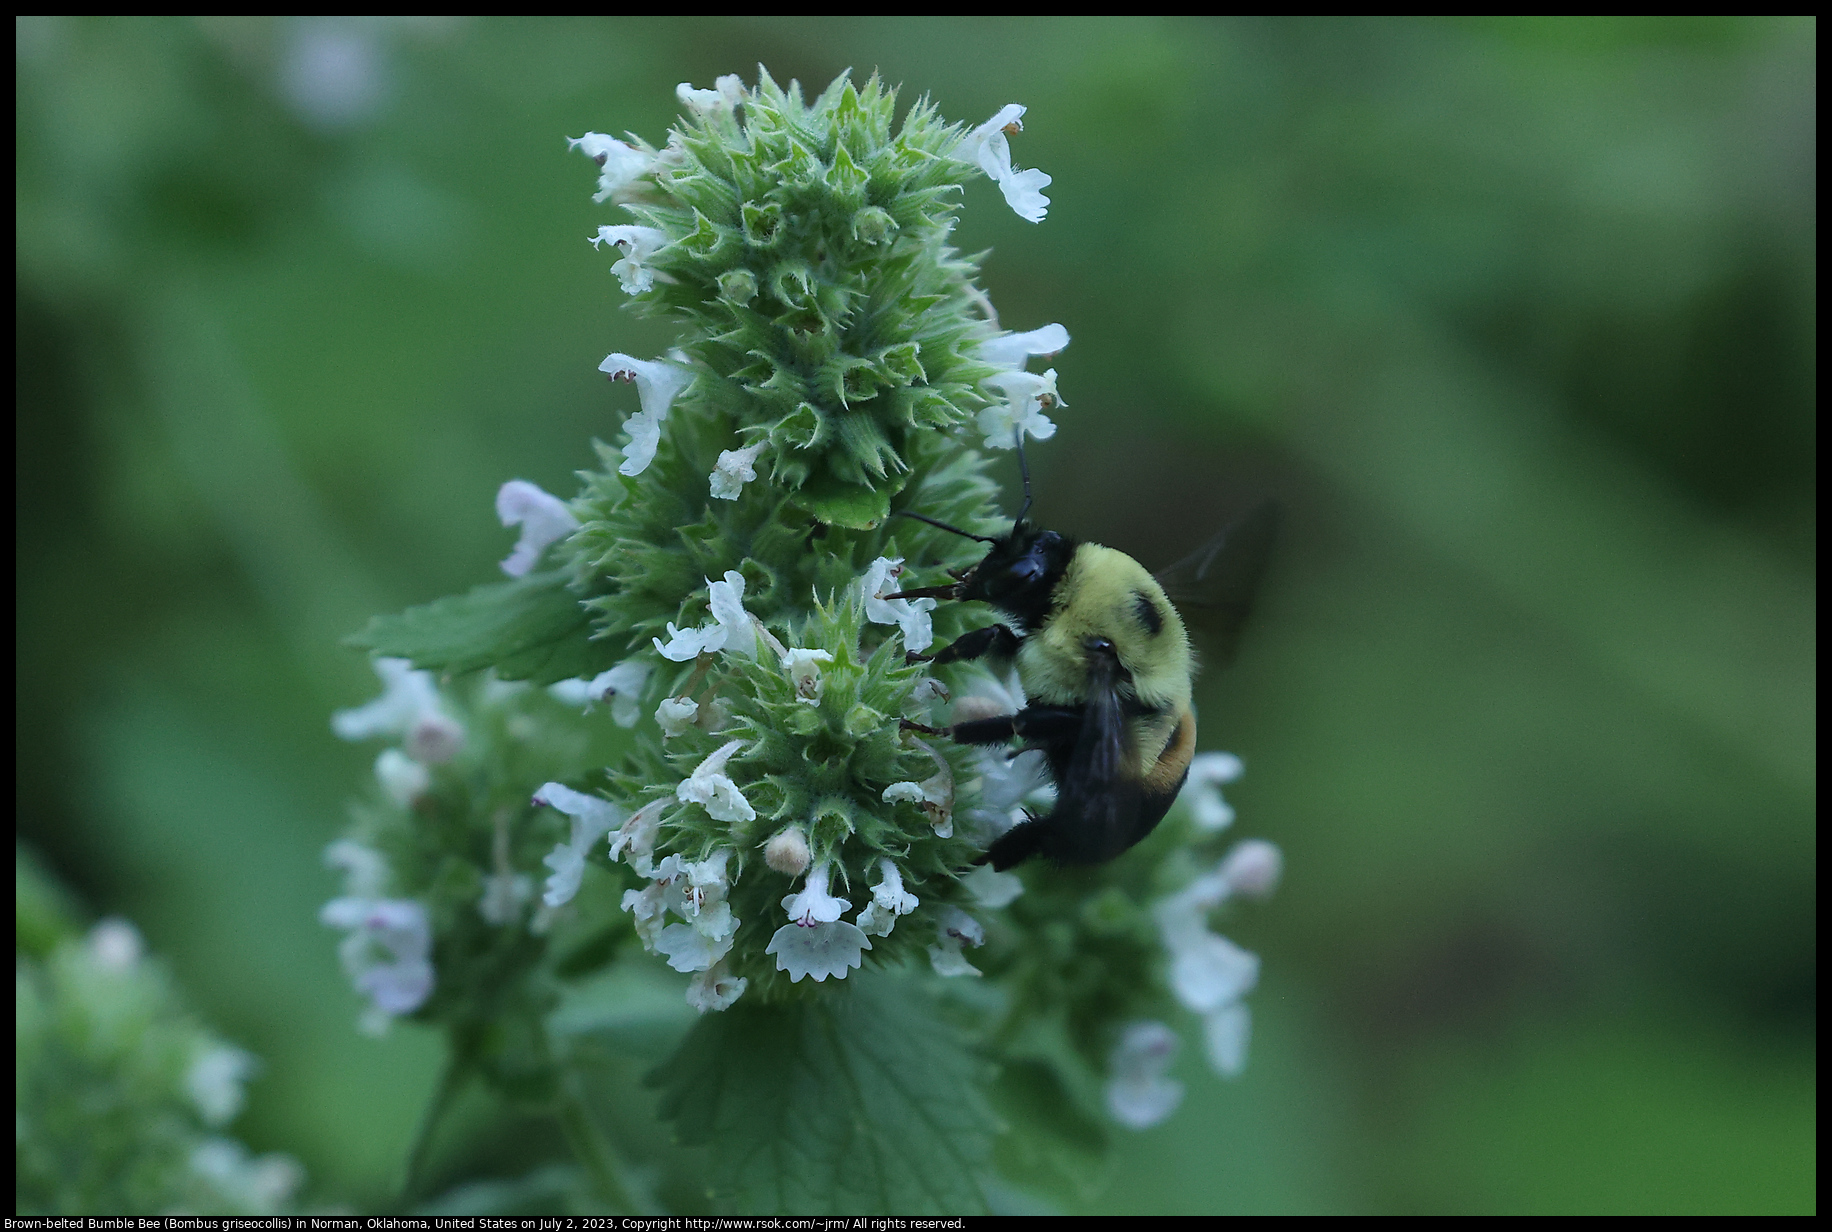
point(123, 1098)
point(764, 812)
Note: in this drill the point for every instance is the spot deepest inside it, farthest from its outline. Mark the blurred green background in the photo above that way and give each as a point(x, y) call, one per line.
point(1516, 317)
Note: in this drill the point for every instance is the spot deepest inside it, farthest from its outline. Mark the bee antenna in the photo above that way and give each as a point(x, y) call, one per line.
point(1024, 474)
point(955, 530)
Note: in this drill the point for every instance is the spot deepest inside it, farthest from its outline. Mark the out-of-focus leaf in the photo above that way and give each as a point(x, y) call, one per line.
point(858, 1101)
point(537, 615)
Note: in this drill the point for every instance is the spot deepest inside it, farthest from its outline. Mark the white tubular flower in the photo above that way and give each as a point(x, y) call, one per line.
point(676, 715)
point(689, 949)
point(621, 164)
point(1252, 869)
point(1208, 971)
point(1012, 350)
point(888, 901)
point(591, 818)
point(409, 706)
point(715, 988)
point(787, 852)
point(365, 871)
point(987, 146)
point(544, 520)
point(992, 890)
point(621, 686)
point(736, 467)
point(637, 244)
point(1202, 789)
point(658, 383)
point(804, 668)
point(909, 615)
point(955, 928)
point(726, 598)
point(727, 93)
point(685, 644)
point(634, 841)
point(818, 950)
point(648, 908)
point(402, 778)
point(1138, 1093)
point(1026, 396)
point(710, 788)
point(214, 1082)
point(387, 955)
point(813, 905)
point(903, 793)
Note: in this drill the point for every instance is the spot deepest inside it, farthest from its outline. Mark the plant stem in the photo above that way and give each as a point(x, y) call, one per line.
point(594, 1151)
point(451, 1080)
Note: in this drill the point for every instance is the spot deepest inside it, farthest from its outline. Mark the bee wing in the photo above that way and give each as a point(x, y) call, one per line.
point(1097, 808)
point(1213, 587)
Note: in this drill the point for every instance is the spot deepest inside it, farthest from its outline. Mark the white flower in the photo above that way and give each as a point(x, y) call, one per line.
point(214, 1082)
point(688, 949)
point(888, 901)
point(710, 788)
point(1011, 350)
point(591, 818)
point(736, 467)
point(987, 146)
point(676, 715)
point(732, 627)
point(818, 950)
point(685, 644)
point(1252, 869)
point(787, 852)
point(1138, 1093)
point(621, 163)
point(637, 244)
point(544, 520)
point(365, 871)
point(264, 1185)
point(909, 615)
point(1208, 973)
point(954, 928)
point(634, 841)
point(813, 905)
point(387, 955)
point(409, 706)
point(726, 599)
point(115, 945)
point(992, 890)
point(658, 383)
point(648, 908)
point(1208, 771)
point(903, 793)
point(402, 778)
point(1026, 396)
point(714, 988)
point(727, 92)
point(694, 891)
point(804, 668)
point(621, 686)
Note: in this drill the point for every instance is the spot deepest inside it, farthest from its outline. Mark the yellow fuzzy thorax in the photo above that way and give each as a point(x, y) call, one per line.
point(1096, 598)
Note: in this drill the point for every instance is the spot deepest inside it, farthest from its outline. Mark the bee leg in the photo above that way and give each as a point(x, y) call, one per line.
point(1041, 726)
point(996, 640)
point(913, 725)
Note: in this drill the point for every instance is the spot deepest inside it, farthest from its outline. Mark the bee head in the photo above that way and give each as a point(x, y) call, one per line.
point(1019, 572)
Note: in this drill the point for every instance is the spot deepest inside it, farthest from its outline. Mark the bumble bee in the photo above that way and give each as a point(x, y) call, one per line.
point(1107, 665)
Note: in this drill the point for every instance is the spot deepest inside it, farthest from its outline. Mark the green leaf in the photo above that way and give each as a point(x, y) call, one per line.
point(850, 506)
point(857, 1100)
point(532, 628)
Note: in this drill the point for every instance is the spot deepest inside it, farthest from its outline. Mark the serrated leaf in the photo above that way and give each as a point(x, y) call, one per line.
point(532, 628)
point(850, 506)
point(855, 1101)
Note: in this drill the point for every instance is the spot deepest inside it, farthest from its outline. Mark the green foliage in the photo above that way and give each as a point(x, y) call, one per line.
point(531, 628)
point(852, 1103)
